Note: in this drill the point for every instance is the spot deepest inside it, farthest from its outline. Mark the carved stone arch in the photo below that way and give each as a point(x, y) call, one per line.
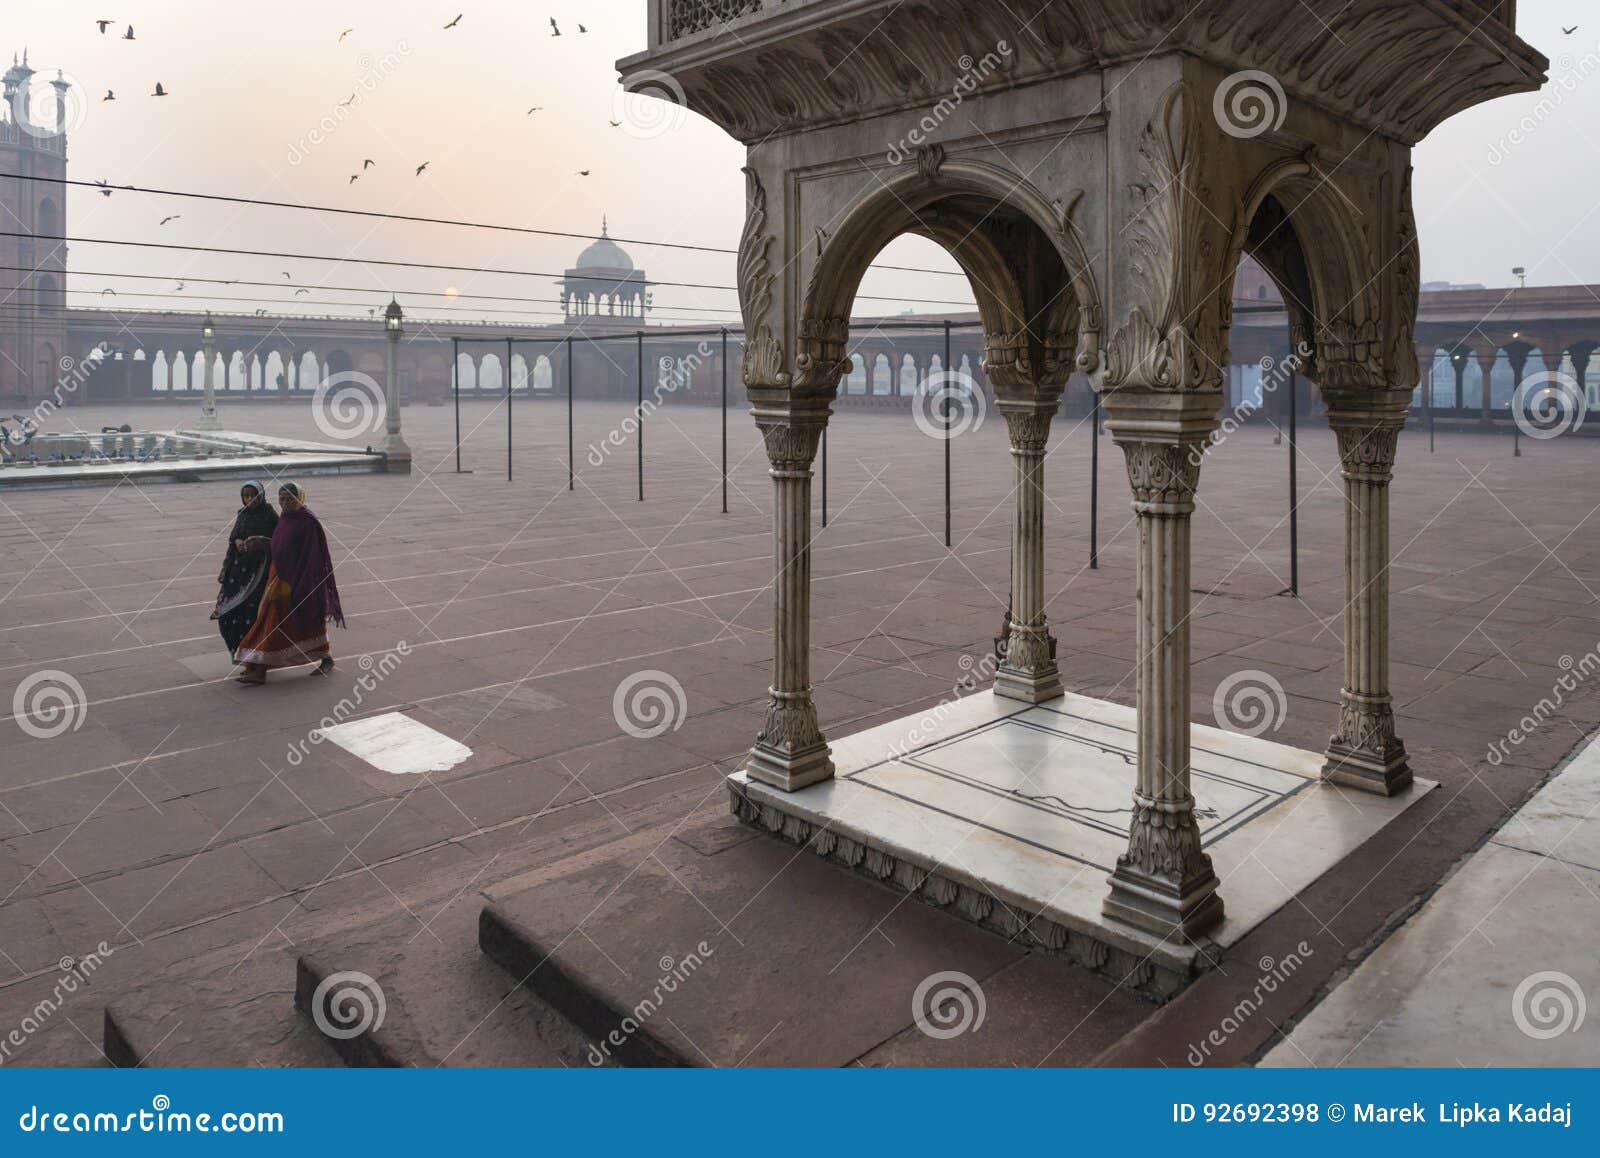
point(1303, 231)
point(1028, 268)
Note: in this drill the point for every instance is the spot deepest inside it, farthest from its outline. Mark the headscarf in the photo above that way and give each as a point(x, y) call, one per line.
point(256, 519)
point(300, 557)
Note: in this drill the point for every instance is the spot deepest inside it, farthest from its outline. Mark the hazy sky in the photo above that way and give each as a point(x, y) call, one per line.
point(251, 82)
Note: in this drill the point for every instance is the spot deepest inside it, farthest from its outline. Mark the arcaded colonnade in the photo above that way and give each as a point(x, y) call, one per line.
point(1097, 178)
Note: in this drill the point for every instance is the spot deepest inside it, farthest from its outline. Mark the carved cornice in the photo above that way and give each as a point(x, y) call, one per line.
point(804, 65)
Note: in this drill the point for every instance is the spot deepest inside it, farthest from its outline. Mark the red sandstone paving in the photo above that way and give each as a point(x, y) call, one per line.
point(491, 583)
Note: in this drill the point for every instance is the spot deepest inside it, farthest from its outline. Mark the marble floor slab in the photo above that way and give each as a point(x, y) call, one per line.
point(1031, 806)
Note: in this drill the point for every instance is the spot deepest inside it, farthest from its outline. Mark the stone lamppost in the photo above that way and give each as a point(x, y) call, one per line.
point(394, 446)
point(208, 408)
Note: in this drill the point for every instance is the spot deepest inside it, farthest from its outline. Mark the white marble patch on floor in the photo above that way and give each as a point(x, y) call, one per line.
point(397, 744)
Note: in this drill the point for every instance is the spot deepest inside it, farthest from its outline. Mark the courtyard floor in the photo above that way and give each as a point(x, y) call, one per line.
point(188, 823)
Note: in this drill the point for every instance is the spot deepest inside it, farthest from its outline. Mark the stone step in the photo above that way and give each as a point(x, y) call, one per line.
point(386, 995)
point(718, 946)
point(228, 1012)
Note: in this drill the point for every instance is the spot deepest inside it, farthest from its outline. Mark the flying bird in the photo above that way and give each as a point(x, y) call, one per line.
point(104, 24)
point(110, 95)
point(298, 292)
point(356, 177)
point(128, 35)
point(345, 33)
point(174, 217)
point(581, 28)
point(286, 277)
point(105, 188)
point(423, 166)
point(535, 109)
point(159, 90)
point(616, 124)
point(104, 292)
point(179, 287)
point(555, 29)
point(454, 22)
point(348, 103)
point(367, 164)
point(1569, 31)
point(583, 172)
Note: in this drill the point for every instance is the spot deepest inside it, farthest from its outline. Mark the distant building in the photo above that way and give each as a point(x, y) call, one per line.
point(605, 288)
point(33, 269)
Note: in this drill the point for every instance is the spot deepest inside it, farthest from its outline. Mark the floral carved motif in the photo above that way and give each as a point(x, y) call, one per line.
point(1172, 338)
point(1163, 475)
point(763, 353)
point(1164, 840)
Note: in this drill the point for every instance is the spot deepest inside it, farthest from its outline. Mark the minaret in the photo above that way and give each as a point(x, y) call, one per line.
point(62, 88)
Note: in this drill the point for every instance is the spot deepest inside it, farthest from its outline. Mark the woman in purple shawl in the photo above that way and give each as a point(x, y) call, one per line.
point(291, 629)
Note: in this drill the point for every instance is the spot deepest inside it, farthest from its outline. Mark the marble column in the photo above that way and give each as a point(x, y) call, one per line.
point(1486, 363)
point(791, 751)
point(395, 447)
point(1366, 753)
point(1028, 670)
point(208, 405)
point(1164, 884)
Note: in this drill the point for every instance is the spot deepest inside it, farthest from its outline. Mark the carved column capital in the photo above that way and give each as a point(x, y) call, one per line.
point(1028, 425)
point(1164, 476)
point(791, 441)
point(1367, 451)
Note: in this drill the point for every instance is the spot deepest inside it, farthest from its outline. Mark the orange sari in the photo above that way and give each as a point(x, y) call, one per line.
point(273, 640)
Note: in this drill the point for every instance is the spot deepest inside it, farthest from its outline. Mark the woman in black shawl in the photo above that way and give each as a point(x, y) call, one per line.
point(244, 569)
point(301, 597)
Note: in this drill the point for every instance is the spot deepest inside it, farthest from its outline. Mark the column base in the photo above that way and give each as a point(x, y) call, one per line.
point(208, 422)
point(1159, 904)
point(1034, 687)
point(790, 771)
point(398, 455)
point(1368, 771)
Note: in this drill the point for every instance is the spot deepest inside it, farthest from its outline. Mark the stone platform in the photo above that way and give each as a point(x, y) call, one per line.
point(190, 456)
point(1013, 817)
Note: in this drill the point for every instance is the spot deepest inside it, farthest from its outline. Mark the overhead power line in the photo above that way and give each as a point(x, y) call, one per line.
point(393, 264)
point(419, 220)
